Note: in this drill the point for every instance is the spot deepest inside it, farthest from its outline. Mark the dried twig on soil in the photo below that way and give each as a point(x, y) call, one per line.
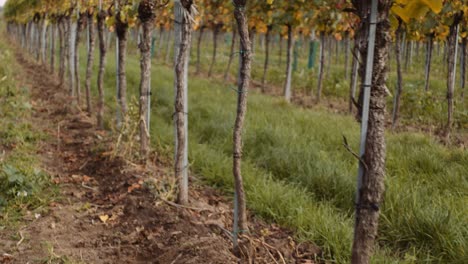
point(87, 187)
point(84, 164)
point(273, 248)
point(21, 239)
point(260, 242)
point(178, 256)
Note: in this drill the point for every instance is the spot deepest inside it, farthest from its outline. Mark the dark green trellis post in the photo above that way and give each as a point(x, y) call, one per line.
point(296, 54)
point(312, 53)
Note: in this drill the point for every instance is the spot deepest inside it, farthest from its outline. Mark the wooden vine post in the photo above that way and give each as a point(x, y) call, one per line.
point(90, 60)
point(245, 53)
point(184, 11)
point(101, 17)
point(121, 29)
point(287, 84)
point(146, 15)
point(452, 56)
point(399, 88)
point(370, 187)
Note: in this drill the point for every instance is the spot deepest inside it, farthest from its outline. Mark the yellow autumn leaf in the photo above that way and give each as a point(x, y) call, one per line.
point(270, 2)
point(104, 218)
point(416, 9)
point(401, 13)
point(434, 5)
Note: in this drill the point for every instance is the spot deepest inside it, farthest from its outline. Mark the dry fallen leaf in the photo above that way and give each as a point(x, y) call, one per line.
point(86, 178)
point(104, 218)
point(133, 187)
point(76, 178)
point(6, 258)
point(107, 153)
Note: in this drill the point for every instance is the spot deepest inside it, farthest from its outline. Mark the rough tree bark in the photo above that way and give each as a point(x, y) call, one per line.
point(371, 191)
point(399, 88)
point(31, 37)
point(28, 36)
point(70, 44)
point(34, 38)
point(39, 41)
point(90, 61)
point(216, 30)
point(81, 23)
point(184, 10)
point(267, 56)
point(354, 72)
point(62, 54)
point(43, 41)
point(146, 15)
point(52, 48)
point(30, 33)
point(322, 66)
point(102, 65)
point(452, 48)
point(430, 45)
point(231, 52)
point(121, 28)
point(37, 37)
point(243, 86)
point(287, 83)
point(46, 47)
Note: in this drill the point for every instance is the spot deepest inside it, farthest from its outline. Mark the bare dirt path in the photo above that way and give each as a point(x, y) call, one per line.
point(114, 211)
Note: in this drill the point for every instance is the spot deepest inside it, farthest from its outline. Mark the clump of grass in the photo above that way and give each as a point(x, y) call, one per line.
point(22, 183)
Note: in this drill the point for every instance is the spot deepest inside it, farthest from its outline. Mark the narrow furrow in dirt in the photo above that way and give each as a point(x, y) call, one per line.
point(114, 211)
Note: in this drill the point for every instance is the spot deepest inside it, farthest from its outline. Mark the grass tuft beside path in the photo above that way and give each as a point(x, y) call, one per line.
point(22, 183)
